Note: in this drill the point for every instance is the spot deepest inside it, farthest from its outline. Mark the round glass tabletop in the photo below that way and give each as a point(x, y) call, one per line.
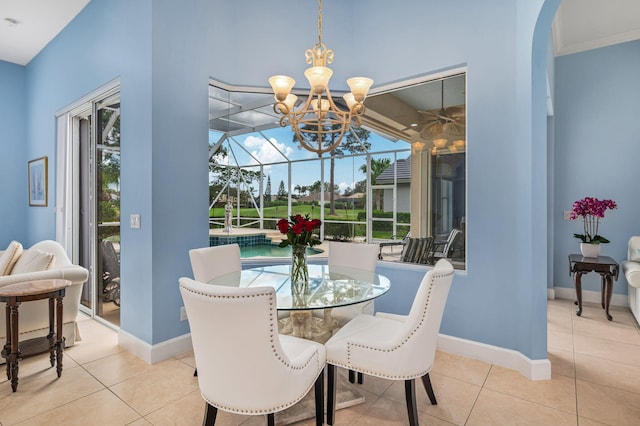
point(328, 287)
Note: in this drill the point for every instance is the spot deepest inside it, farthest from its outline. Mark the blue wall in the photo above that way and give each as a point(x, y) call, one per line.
point(164, 51)
point(597, 146)
point(13, 153)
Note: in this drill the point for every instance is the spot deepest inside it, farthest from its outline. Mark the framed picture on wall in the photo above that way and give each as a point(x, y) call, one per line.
point(38, 182)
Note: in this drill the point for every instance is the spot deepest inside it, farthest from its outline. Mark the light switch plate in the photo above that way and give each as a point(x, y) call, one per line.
point(134, 221)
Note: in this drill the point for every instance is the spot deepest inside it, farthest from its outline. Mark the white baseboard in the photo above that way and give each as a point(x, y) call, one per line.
point(551, 294)
point(155, 353)
point(532, 369)
point(588, 296)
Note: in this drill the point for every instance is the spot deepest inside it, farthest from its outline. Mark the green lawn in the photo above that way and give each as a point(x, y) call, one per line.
point(281, 212)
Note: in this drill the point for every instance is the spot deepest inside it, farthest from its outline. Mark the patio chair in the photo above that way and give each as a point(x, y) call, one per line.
point(393, 243)
point(442, 248)
point(417, 250)
point(110, 273)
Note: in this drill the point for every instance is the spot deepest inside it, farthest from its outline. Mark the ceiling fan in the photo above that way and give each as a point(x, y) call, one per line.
point(445, 121)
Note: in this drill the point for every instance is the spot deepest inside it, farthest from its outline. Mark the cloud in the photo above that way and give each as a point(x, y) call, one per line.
point(264, 151)
point(344, 185)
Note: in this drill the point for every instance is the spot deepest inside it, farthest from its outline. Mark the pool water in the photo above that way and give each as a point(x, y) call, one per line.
point(271, 250)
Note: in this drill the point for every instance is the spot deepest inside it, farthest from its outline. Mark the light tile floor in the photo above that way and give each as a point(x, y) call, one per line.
point(595, 380)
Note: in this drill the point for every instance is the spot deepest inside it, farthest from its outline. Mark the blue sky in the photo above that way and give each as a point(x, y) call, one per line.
point(306, 172)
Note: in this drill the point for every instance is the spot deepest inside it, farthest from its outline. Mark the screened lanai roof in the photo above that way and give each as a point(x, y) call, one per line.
point(393, 114)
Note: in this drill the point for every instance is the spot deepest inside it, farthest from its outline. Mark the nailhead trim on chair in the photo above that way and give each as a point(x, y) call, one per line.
point(272, 302)
point(406, 339)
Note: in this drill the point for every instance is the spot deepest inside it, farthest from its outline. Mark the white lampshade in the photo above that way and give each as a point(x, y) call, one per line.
point(439, 143)
point(417, 146)
point(281, 85)
point(324, 105)
point(359, 87)
point(350, 100)
point(318, 78)
point(290, 101)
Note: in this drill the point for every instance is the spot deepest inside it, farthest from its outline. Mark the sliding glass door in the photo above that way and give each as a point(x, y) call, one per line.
point(93, 173)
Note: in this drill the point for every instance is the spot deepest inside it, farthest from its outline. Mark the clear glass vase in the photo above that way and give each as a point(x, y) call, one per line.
point(299, 270)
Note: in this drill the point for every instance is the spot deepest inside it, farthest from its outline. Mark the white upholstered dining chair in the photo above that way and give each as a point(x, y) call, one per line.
point(208, 263)
point(390, 346)
point(244, 365)
point(360, 256)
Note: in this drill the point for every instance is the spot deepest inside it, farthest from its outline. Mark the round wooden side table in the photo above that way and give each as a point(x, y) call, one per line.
point(13, 295)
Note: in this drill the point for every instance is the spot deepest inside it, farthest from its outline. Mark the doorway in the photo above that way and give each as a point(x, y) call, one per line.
point(89, 142)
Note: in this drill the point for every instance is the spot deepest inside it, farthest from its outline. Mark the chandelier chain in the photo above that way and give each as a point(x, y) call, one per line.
point(319, 124)
point(319, 22)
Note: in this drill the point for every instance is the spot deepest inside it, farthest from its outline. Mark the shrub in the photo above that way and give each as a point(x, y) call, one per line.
point(337, 231)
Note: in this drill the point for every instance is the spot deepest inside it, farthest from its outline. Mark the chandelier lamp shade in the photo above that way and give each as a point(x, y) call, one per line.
point(319, 124)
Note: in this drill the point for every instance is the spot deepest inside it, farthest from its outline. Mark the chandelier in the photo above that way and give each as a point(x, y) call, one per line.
point(319, 124)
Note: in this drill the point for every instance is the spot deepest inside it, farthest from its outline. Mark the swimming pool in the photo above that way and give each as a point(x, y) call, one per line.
point(271, 250)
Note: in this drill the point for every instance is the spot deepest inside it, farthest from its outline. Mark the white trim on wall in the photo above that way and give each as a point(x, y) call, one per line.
point(532, 369)
point(588, 296)
point(539, 369)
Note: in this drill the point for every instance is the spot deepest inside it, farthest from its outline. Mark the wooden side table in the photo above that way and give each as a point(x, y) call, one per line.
point(13, 295)
point(603, 265)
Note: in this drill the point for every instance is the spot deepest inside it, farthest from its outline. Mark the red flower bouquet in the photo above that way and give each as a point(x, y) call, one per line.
point(299, 231)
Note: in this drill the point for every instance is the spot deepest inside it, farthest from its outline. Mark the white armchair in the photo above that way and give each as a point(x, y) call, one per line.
point(244, 365)
point(34, 316)
point(395, 347)
point(631, 271)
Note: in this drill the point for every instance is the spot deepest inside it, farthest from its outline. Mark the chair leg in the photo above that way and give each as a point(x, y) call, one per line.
point(319, 396)
point(271, 419)
point(331, 393)
point(410, 396)
point(352, 377)
point(210, 413)
point(426, 381)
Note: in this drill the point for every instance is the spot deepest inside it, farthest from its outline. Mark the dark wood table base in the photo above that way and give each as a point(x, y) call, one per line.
point(53, 342)
point(603, 265)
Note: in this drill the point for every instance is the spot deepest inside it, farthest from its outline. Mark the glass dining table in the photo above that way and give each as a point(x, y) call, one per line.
point(329, 288)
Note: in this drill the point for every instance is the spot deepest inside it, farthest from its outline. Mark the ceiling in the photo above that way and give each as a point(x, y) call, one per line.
point(582, 25)
point(27, 26)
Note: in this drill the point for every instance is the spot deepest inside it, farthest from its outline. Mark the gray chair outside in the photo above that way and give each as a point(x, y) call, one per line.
point(442, 248)
point(110, 273)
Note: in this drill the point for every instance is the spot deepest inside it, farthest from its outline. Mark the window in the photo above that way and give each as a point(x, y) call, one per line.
point(404, 172)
